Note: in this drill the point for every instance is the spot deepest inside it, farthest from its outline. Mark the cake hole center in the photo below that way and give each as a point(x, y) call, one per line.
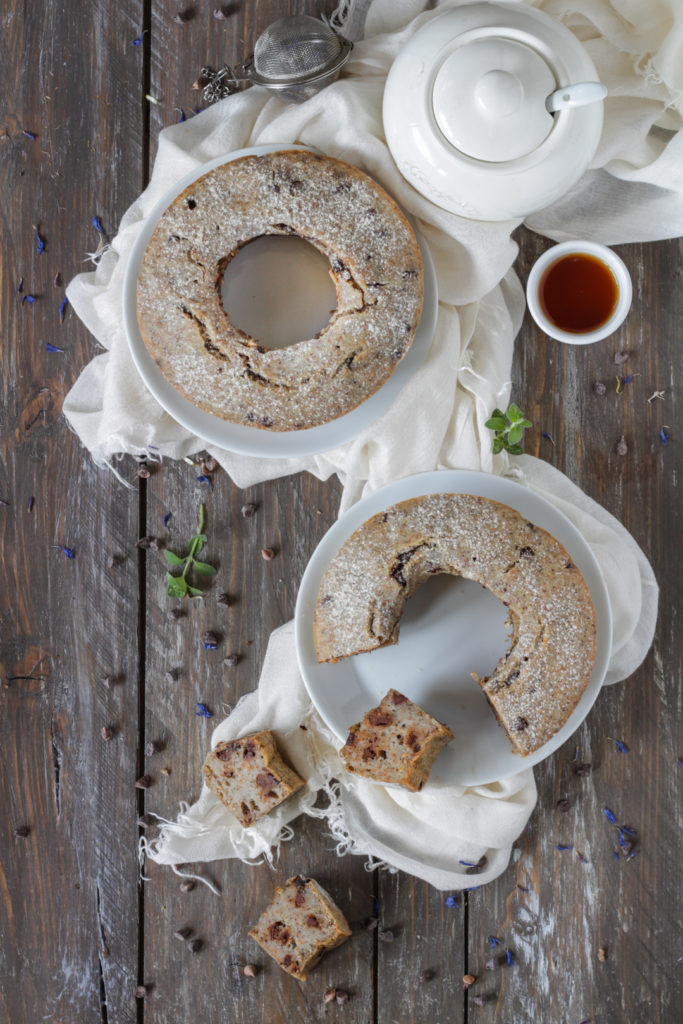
point(278, 290)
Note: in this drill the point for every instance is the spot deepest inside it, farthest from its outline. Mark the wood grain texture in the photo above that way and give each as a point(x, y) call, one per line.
point(68, 930)
point(77, 933)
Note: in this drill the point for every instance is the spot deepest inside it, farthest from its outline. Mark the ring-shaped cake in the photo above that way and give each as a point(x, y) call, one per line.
point(375, 264)
point(538, 682)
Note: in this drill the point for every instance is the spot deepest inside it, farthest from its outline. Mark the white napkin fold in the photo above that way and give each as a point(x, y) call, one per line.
point(431, 833)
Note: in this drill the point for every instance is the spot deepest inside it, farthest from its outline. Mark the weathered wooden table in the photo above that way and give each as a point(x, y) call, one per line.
point(78, 930)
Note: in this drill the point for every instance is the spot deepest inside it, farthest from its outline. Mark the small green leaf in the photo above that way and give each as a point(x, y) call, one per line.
point(173, 559)
point(514, 435)
point(514, 413)
point(177, 586)
point(194, 591)
point(497, 445)
point(496, 423)
point(525, 423)
point(204, 569)
point(514, 449)
point(498, 413)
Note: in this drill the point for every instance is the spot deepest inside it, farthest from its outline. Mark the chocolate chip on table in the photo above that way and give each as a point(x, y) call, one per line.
point(208, 465)
point(602, 954)
point(224, 599)
point(479, 1000)
point(148, 543)
point(342, 996)
point(144, 782)
point(248, 510)
point(152, 748)
point(176, 613)
point(107, 733)
point(583, 770)
point(187, 885)
point(114, 561)
point(170, 676)
point(145, 820)
point(475, 869)
point(621, 446)
point(563, 805)
point(21, 831)
point(371, 924)
point(144, 472)
point(426, 975)
point(330, 995)
point(599, 388)
point(209, 637)
point(249, 971)
point(386, 935)
point(267, 554)
point(182, 933)
point(468, 980)
point(140, 991)
point(491, 965)
point(194, 945)
point(231, 660)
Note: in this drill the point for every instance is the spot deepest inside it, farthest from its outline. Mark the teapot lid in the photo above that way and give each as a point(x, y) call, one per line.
point(489, 98)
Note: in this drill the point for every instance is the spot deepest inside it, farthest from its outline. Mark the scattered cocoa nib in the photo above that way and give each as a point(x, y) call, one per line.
point(140, 991)
point(224, 600)
point(563, 805)
point(599, 388)
point(107, 733)
point(386, 935)
point(21, 831)
point(371, 924)
point(521, 724)
point(187, 885)
point(248, 510)
point(194, 945)
point(330, 995)
point(182, 933)
point(312, 921)
point(475, 869)
point(144, 782)
point(379, 718)
point(583, 769)
point(146, 820)
point(426, 975)
point(342, 996)
point(398, 698)
point(468, 980)
point(231, 660)
point(267, 554)
point(602, 954)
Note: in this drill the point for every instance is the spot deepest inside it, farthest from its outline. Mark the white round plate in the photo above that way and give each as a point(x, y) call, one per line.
point(251, 440)
point(451, 627)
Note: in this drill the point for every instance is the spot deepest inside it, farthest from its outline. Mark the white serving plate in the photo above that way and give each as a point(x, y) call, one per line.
point(252, 440)
point(451, 627)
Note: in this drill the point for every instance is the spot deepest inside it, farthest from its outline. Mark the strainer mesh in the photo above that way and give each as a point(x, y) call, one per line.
point(294, 48)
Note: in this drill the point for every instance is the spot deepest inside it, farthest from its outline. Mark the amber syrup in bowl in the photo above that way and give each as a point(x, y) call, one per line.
point(578, 292)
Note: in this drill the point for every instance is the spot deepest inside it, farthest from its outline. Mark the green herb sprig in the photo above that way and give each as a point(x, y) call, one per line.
point(178, 585)
point(509, 430)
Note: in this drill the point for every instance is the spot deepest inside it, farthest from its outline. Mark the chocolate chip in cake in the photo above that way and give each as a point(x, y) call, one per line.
point(520, 724)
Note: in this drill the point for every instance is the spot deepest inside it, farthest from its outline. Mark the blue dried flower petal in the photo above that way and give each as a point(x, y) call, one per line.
point(182, 115)
point(451, 901)
point(62, 309)
point(664, 436)
point(509, 959)
point(52, 348)
point(203, 711)
point(521, 888)
point(622, 840)
point(204, 479)
point(472, 888)
point(468, 863)
point(27, 133)
point(69, 552)
point(40, 243)
point(31, 501)
point(627, 830)
point(209, 646)
point(679, 762)
point(28, 298)
point(136, 42)
point(584, 860)
point(615, 854)
point(97, 224)
point(494, 941)
point(608, 814)
point(621, 746)
point(167, 517)
point(632, 855)
point(548, 437)
point(559, 846)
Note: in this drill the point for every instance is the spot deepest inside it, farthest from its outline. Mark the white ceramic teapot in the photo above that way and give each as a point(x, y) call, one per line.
point(493, 110)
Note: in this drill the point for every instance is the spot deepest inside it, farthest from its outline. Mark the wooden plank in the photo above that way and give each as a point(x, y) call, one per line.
point(68, 934)
point(573, 909)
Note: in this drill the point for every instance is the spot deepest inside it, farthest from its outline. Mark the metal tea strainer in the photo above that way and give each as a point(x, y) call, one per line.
point(295, 57)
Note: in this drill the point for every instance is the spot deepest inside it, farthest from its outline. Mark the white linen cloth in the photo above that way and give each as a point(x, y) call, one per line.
point(634, 192)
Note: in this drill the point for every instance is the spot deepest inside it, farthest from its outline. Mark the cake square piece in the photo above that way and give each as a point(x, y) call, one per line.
point(249, 776)
point(396, 743)
point(301, 923)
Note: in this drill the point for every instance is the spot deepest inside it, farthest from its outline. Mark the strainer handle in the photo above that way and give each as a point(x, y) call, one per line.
point(225, 81)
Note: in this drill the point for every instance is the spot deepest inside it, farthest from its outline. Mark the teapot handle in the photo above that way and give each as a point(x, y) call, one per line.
point(577, 95)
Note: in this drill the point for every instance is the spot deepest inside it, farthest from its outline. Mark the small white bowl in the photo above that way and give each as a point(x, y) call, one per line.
point(619, 272)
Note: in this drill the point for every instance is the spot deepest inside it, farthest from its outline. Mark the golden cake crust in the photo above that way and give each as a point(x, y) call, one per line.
point(538, 683)
point(375, 264)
